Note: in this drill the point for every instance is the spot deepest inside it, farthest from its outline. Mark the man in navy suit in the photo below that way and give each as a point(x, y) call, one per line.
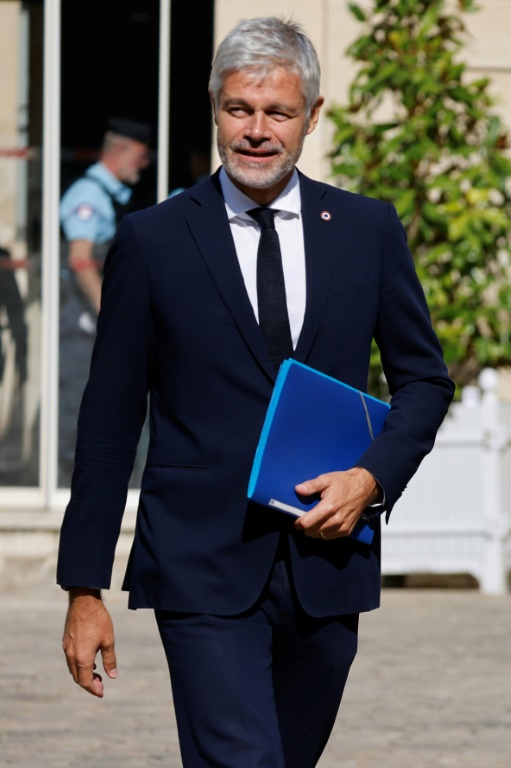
point(258, 612)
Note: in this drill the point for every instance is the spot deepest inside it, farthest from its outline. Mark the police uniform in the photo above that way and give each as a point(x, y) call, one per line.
point(90, 210)
point(90, 207)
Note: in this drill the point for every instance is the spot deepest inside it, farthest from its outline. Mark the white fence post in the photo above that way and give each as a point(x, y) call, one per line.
point(494, 571)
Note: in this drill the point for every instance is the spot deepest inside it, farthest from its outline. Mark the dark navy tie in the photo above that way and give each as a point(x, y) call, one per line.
point(271, 289)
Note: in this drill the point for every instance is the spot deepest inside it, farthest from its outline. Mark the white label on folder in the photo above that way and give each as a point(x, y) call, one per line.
point(286, 507)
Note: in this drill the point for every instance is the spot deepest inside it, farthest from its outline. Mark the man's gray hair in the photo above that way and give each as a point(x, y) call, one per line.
point(258, 45)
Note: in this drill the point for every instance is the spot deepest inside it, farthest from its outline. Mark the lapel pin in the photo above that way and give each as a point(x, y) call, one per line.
point(326, 215)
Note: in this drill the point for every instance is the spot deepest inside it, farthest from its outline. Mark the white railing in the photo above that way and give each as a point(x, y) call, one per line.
point(455, 515)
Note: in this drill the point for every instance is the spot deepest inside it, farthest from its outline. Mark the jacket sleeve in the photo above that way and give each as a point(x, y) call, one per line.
point(413, 364)
point(111, 417)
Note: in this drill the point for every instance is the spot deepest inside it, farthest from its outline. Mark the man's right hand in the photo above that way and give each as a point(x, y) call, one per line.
point(88, 629)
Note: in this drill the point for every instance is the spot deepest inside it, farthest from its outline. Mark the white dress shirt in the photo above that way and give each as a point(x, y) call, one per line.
point(288, 223)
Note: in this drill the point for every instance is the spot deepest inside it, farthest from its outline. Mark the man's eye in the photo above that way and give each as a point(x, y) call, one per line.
point(279, 116)
point(237, 111)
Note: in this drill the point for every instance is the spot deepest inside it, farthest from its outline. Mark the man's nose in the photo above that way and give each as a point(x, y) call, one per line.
point(257, 127)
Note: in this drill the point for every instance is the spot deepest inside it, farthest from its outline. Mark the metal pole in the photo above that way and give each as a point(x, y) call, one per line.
point(164, 101)
point(50, 248)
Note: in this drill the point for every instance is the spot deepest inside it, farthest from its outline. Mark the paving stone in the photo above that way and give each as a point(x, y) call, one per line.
point(430, 688)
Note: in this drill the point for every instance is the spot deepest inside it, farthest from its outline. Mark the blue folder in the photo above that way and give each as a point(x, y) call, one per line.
point(314, 424)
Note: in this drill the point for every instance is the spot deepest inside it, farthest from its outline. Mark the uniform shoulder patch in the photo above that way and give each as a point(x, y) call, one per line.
point(84, 212)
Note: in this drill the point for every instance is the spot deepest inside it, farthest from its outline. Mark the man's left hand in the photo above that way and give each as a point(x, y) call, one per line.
point(344, 496)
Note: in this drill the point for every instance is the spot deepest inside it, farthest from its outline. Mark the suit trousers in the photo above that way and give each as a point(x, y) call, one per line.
point(261, 689)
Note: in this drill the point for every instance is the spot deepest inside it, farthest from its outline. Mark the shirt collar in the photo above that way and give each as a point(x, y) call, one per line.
point(237, 203)
point(110, 182)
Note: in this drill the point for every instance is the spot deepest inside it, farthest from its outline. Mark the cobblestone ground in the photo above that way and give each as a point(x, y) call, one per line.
point(431, 686)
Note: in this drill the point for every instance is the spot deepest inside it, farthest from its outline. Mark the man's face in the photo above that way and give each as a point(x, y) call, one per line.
point(262, 125)
point(132, 159)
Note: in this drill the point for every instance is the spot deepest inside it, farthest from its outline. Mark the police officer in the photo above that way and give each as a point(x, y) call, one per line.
point(90, 211)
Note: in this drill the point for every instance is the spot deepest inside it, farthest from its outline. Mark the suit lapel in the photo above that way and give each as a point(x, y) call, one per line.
point(210, 228)
point(321, 239)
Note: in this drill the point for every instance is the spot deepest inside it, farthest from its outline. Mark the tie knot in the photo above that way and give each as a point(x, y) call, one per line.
point(264, 217)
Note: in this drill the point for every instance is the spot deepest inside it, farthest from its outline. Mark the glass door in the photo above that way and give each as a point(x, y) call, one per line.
point(21, 51)
point(109, 137)
point(67, 70)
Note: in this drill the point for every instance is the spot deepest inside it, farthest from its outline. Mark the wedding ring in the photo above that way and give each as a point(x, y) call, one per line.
point(323, 536)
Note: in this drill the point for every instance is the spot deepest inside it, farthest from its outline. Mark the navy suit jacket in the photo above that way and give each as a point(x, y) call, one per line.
point(176, 322)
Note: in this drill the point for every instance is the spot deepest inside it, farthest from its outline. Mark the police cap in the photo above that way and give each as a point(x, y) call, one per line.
point(130, 129)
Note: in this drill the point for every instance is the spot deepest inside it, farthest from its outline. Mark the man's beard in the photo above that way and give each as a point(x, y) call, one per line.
point(241, 170)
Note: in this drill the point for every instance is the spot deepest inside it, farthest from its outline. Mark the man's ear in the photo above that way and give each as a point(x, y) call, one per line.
point(213, 106)
point(314, 117)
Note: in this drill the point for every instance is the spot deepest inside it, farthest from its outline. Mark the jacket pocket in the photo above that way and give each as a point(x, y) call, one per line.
point(173, 465)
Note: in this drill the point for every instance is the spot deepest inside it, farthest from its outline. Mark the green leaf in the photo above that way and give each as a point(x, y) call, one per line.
point(417, 132)
point(357, 12)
